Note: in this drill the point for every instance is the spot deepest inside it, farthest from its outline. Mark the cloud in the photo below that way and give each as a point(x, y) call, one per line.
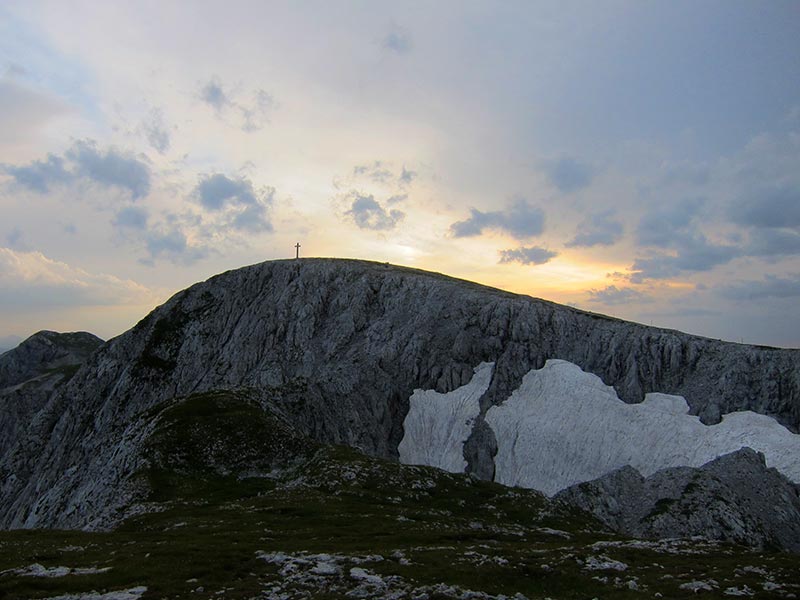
point(771, 286)
point(110, 168)
point(253, 219)
point(527, 256)
point(772, 207)
point(171, 243)
point(598, 229)
point(246, 208)
point(381, 173)
point(774, 242)
point(251, 115)
point(569, 175)
point(668, 225)
point(520, 220)
point(31, 279)
point(213, 95)
point(255, 115)
point(41, 175)
point(612, 295)
point(396, 199)
point(694, 255)
point(367, 213)
point(131, 217)
point(156, 131)
point(397, 40)
point(85, 160)
point(407, 176)
point(216, 191)
point(378, 172)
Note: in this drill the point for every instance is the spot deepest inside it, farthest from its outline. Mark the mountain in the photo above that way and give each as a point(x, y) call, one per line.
point(43, 353)
point(335, 349)
point(30, 372)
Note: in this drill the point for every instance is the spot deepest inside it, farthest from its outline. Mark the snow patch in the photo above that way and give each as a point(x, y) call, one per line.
point(437, 425)
point(564, 426)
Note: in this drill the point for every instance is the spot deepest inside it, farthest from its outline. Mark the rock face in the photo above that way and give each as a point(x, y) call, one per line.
point(336, 348)
point(31, 372)
point(734, 498)
point(44, 352)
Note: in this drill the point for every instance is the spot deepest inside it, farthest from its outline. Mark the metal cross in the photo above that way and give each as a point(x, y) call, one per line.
point(297, 248)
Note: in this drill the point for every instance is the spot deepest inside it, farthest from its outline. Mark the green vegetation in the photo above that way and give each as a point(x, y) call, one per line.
point(221, 532)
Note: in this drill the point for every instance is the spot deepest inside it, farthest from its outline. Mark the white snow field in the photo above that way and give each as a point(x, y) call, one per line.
point(437, 425)
point(564, 426)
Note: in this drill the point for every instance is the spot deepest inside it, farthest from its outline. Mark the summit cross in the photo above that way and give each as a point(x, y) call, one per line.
point(297, 250)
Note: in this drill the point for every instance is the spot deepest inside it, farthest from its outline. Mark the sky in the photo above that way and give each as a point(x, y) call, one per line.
point(639, 159)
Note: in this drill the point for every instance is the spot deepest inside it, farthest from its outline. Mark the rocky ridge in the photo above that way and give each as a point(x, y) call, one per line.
point(335, 348)
point(31, 372)
point(734, 498)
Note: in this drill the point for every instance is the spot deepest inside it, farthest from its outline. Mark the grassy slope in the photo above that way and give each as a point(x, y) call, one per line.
point(427, 526)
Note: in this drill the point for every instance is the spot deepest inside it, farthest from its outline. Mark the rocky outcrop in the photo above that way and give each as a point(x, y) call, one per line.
point(31, 372)
point(44, 352)
point(734, 498)
point(336, 348)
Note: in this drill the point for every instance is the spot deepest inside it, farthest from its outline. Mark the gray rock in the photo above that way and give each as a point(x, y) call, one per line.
point(336, 348)
point(43, 352)
point(734, 498)
point(31, 372)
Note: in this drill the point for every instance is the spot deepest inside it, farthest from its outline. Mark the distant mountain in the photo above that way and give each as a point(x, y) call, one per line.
point(32, 371)
point(45, 352)
point(400, 364)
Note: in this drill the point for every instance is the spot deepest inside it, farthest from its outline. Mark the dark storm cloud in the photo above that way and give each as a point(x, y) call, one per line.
point(775, 207)
point(570, 175)
point(85, 160)
point(533, 255)
point(367, 213)
point(769, 287)
point(521, 220)
point(612, 295)
point(600, 229)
